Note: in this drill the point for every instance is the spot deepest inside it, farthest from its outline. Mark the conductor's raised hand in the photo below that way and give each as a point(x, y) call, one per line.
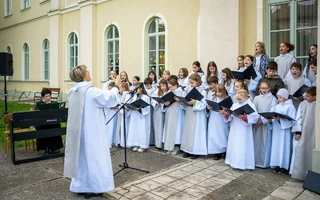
point(117, 81)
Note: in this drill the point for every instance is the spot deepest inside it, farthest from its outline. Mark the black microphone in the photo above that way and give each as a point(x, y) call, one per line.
point(136, 89)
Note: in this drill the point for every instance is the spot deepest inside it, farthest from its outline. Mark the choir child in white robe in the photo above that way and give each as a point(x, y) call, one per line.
point(135, 83)
point(240, 150)
point(228, 81)
point(238, 85)
point(139, 126)
point(158, 115)
point(150, 90)
point(87, 155)
point(173, 120)
point(112, 124)
point(307, 72)
point(124, 97)
point(218, 129)
point(313, 68)
point(212, 70)
point(112, 77)
point(281, 133)
point(305, 133)
point(295, 81)
point(261, 131)
point(153, 76)
point(182, 75)
point(194, 136)
point(196, 68)
point(285, 59)
point(252, 84)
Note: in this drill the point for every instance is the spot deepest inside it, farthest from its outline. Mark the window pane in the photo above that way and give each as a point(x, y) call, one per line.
point(75, 39)
point(161, 69)
point(280, 16)
point(110, 47)
point(110, 33)
point(117, 58)
point(152, 57)
point(110, 60)
point(152, 43)
point(276, 39)
point(305, 38)
point(117, 46)
point(303, 61)
point(307, 13)
point(162, 42)
point(46, 56)
point(152, 27)
point(116, 32)
point(152, 68)
point(161, 25)
point(161, 57)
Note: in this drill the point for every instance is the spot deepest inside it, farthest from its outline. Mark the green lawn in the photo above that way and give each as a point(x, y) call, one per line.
point(12, 107)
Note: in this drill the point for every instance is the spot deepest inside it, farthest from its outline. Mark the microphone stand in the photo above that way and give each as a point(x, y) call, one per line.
point(125, 165)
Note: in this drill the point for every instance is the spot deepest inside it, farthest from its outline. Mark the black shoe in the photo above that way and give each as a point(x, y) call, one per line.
point(97, 194)
point(224, 155)
point(276, 170)
point(193, 157)
point(217, 156)
point(283, 171)
point(186, 155)
point(81, 194)
point(88, 195)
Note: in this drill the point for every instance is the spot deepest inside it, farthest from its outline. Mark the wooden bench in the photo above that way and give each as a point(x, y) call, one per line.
point(36, 118)
point(55, 92)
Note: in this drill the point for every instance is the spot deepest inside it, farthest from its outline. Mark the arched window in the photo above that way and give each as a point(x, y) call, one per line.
point(26, 62)
point(73, 51)
point(112, 50)
point(46, 59)
point(156, 43)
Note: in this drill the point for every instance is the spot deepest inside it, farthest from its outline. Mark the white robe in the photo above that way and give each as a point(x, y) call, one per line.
point(218, 131)
point(94, 169)
point(262, 134)
point(173, 123)
point(284, 62)
point(281, 135)
point(111, 127)
point(139, 126)
point(302, 152)
point(240, 150)
point(120, 123)
point(150, 92)
point(194, 136)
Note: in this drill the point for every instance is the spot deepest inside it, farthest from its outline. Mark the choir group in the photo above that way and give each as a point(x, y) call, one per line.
point(260, 115)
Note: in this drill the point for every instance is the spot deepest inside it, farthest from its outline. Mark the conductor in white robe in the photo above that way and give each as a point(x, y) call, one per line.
point(87, 155)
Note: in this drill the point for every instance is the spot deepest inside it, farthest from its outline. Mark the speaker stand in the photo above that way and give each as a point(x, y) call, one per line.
point(5, 98)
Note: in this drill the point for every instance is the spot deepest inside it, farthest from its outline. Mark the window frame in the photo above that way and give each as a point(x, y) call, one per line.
point(156, 34)
point(26, 62)
point(115, 41)
point(25, 4)
point(8, 7)
point(46, 63)
point(75, 46)
point(292, 29)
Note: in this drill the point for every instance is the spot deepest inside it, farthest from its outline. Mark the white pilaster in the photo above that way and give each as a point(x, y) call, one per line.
point(54, 38)
point(260, 21)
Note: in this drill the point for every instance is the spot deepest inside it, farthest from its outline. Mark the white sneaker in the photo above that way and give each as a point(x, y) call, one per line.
point(135, 149)
point(141, 150)
point(175, 151)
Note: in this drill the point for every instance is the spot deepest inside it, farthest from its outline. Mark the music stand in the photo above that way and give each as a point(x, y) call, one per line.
point(125, 165)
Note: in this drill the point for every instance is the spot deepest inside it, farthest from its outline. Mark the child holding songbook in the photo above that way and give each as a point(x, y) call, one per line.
point(240, 62)
point(173, 120)
point(240, 150)
point(139, 126)
point(285, 59)
point(304, 138)
point(212, 70)
point(281, 133)
point(158, 115)
point(261, 131)
point(252, 83)
point(228, 81)
point(153, 76)
point(238, 85)
point(194, 137)
point(218, 129)
point(212, 83)
point(135, 82)
point(124, 96)
point(150, 90)
point(182, 75)
point(112, 125)
point(165, 74)
point(196, 68)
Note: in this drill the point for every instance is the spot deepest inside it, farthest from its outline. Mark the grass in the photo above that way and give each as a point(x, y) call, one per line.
point(12, 107)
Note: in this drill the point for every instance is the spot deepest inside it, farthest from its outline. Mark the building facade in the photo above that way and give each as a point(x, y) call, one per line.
point(49, 37)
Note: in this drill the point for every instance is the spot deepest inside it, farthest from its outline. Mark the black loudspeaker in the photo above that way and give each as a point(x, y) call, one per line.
point(312, 182)
point(6, 64)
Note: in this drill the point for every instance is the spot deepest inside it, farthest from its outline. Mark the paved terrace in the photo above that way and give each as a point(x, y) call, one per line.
point(171, 177)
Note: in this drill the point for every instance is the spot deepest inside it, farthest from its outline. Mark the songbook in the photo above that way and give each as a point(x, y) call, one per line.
point(246, 74)
point(300, 91)
point(269, 115)
point(245, 109)
point(54, 105)
point(137, 104)
point(193, 94)
point(225, 103)
point(167, 97)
